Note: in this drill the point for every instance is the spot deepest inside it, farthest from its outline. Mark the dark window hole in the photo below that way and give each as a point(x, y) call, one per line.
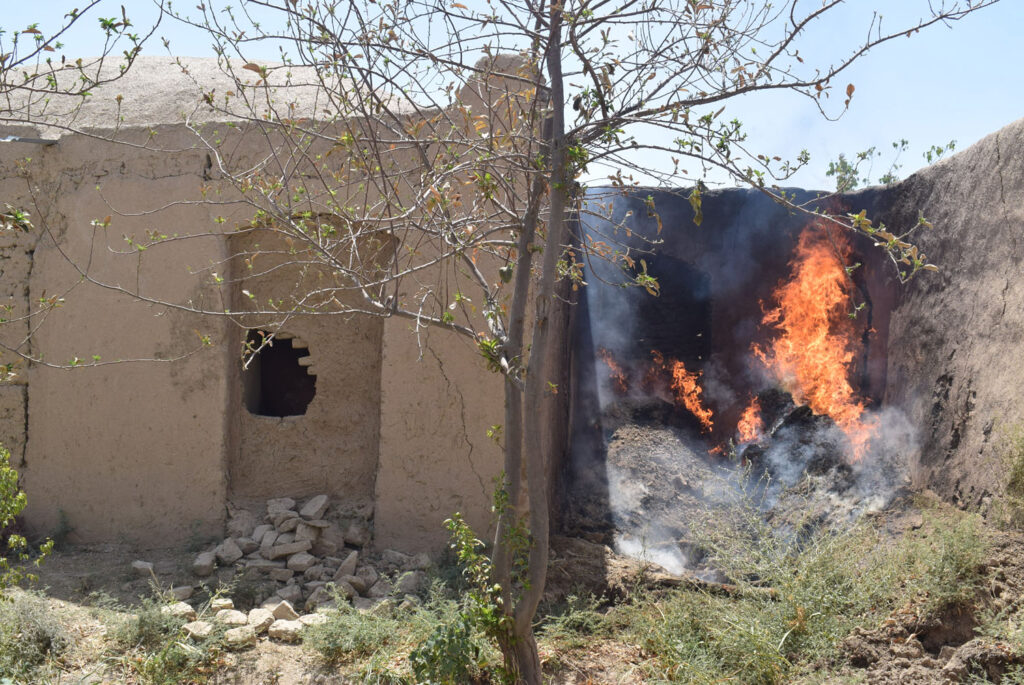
point(275, 383)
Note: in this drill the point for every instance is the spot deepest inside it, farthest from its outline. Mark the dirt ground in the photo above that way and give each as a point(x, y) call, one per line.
point(82, 584)
point(91, 588)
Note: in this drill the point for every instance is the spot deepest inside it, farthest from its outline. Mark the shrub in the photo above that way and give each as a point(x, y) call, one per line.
point(571, 623)
point(149, 628)
point(1008, 508)
point(30, 635)
point(12, 503)
point(948, 563)
point(450, 655)
point(156, 648)
point(349, 634)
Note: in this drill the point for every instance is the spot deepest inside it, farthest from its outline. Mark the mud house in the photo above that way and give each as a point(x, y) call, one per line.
point(383, 420)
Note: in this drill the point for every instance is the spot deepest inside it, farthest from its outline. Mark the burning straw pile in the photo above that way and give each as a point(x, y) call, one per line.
point(803, 446)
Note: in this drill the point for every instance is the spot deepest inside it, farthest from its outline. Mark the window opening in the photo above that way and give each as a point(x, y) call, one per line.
point(276, 383)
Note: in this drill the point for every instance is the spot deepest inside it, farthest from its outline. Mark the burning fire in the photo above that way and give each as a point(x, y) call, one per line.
point(688, 392)
point(617, 375)
point(751, 425)
point(813, 353)
point(685, 385)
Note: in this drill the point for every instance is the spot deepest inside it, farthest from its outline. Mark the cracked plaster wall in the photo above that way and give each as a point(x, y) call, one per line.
point(131, 451)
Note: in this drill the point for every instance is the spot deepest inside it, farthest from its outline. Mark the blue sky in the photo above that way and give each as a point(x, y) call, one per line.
point(959, 83)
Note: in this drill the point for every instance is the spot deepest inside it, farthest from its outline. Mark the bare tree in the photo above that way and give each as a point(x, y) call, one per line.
point(436, 177)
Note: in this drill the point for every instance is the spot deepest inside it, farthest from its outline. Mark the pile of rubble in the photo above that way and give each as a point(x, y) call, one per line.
point(307, 559)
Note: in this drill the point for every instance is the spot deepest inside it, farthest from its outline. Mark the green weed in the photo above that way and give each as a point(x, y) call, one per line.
point(156, 649)
point(573, 622)
point(797, 596)
point(1008, 508)
point(348, 634)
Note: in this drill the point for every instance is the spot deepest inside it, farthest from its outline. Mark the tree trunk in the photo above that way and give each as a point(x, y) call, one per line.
point(525, 660)
point(522, 660)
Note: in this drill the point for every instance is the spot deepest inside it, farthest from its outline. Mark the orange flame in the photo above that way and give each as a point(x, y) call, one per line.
point(813, 354)
point(617, 375)
point(688, 392)
point(683, 384)
point(751, 426)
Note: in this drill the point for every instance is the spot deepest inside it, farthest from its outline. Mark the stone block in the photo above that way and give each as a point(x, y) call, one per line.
point(286, 631)
point(313, 619)
point(419, 562)
point(368, 574)
point(348, 566)
point(382, 588)
point(290, 593)
point(364, 604)
point(228, 552)
point(409, 583)
point(231, 617)
point(285, 611)
point(394, 558)
point(261, 530)
point(179, 610)
point(316, 572)
point(268, 541)
point(358, 534)
point(357, 583)
point(288, 549)
point(345, 589)
point(221, 603)
point(182, 592)
point(260, 619)
point(247, 545)
point(265, 565)
point(198, 630)
point(281, 575)
point(275, 506)
point(324, 548)
point(241, 524)
point(301, 561)
point(240, 637)
point(204, 564)
point(315, 508)
point(316, 598)
point(143, 569)
point(288, 524)
point(304, 531)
